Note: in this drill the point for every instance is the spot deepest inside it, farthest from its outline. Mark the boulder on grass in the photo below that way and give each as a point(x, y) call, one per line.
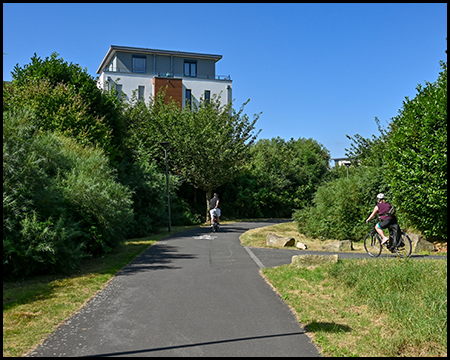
point(343, 245)
point(420, 244)
point(277, 240)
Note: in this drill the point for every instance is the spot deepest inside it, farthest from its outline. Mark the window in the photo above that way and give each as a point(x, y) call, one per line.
point(190, 68)
point(139, 64)
point(141, 92)
point(188, 98)
point(207, 96)
point(119, 90)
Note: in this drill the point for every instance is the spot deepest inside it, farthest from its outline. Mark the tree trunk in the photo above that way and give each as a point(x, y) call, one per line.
point(208, 197)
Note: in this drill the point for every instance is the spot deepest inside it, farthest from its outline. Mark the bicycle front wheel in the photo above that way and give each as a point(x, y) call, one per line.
point(405, 248)
point(372, 244)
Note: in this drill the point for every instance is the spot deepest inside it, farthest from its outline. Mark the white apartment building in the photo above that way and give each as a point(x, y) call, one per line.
point(189, 76)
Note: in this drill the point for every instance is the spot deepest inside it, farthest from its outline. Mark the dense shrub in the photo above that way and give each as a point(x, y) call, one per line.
point(341, 206)
point(281, 176)
point(416, 158)
point(103, 108)
point(61, 201)
point(59, 108)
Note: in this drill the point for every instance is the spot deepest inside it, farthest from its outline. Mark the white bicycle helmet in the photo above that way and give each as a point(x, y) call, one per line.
point(380, 196)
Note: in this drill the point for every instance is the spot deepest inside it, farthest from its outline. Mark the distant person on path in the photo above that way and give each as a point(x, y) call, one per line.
point(382, 208)
point(214, 207)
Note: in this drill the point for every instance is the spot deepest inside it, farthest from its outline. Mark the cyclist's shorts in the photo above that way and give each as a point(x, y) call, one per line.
point(217, 211)
point(383, 224)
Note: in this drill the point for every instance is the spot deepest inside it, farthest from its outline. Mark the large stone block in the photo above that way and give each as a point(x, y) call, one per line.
point(313, 260)
point(277, 240)
point(419, 243)
point(343, 245)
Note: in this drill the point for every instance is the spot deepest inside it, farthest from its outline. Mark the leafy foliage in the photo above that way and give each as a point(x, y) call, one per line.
point(294, 167)
point(209, 143)
point(61, 109)
point(367, 151)
point(93, 104)
point(407, 162)
point(280, 176)
point(416, 158)
point(148, 183)
point(143, 170)
point(61, 201)
point(340, 206)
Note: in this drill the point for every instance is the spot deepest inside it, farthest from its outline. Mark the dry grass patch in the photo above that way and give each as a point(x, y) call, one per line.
point(342, 321)
point(257, 238)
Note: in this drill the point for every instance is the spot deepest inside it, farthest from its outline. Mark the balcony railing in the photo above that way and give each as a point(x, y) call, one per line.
point(168, 74)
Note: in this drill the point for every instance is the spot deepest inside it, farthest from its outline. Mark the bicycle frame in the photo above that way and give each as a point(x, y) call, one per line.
point(214, 223)
point(374, 247)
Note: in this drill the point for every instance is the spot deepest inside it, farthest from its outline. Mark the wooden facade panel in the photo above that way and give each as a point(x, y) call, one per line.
point(174, 88)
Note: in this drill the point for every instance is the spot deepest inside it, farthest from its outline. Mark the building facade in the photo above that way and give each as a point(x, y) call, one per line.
point(189, 77)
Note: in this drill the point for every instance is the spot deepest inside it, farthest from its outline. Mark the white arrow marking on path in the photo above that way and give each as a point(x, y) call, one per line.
point(207, 237)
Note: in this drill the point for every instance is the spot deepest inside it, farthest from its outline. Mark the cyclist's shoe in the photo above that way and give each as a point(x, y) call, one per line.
point(384, 241)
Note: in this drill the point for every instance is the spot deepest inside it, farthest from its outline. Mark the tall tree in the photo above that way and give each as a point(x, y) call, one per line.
point(76, 94)
point(288, 172)
point(209, 142)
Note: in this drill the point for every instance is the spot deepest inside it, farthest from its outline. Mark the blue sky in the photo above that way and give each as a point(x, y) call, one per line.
point(316, 71)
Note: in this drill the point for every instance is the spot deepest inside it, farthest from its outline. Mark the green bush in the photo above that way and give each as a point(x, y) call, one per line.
point(61, 201)
point(98, 201)
point(280, 176)
point(341, 206)
point(68, 98)
point(416, 158)
point(61, 109)
point(41, 247)
point(149, 195)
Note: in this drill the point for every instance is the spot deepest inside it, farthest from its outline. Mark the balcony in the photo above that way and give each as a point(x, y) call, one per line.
point(169, 74)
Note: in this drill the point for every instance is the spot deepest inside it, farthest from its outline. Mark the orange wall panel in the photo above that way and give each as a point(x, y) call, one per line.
point(174, 89)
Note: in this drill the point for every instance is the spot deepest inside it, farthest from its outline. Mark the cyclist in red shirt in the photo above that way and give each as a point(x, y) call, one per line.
point(382, 208)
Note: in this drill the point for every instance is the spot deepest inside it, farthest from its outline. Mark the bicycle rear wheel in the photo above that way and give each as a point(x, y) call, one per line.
point(405, 248)
point(372, 244)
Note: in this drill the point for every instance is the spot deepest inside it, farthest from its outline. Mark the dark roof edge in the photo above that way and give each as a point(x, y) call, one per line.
point(114, 48)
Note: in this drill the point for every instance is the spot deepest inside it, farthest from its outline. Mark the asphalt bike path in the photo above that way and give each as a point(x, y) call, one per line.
point(194, 293)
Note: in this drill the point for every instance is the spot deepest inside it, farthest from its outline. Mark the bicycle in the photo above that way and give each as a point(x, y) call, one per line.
point(215, 224)
point(372, 243)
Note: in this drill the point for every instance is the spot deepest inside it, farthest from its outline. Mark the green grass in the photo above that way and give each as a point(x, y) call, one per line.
point(367, 307)
point(375, 307)
point(34, 308)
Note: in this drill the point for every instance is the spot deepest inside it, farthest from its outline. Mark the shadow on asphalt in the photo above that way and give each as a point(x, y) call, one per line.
point(124, 353)
point(228, 228)
point(157, 257)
